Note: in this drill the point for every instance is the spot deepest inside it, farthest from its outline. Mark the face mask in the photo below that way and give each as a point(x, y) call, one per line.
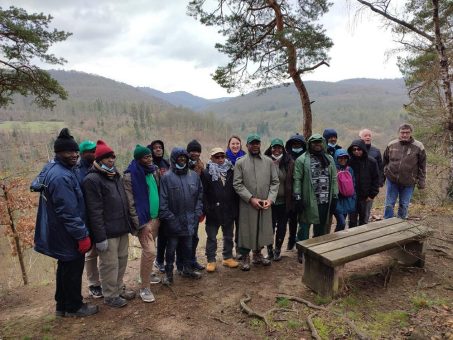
point(277, 158)
point(332, 145)
point(105, 167)
point(297, 150)
point(191, 162)
point(180, 167)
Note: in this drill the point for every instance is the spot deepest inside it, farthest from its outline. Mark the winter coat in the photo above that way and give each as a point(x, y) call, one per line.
point(303, 183)
point(345, 205)
point(180, 199)
point(107, 205)
point(255, 176)
point(81, 169)
point(61, 213)
point(220, 202)
point(365, 171)
point(375, 153)
point(405, 163)
point(127, 181)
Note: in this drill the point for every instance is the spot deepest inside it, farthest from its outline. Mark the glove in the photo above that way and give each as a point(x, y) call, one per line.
point(201, 218)
point(84, 245)
point(298, 203)
point(333, 204)
point(102, 246)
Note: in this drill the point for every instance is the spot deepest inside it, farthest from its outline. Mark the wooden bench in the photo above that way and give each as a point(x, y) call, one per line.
point(326, 255)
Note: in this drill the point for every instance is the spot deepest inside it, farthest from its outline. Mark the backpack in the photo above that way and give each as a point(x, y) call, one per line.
point(345, 182)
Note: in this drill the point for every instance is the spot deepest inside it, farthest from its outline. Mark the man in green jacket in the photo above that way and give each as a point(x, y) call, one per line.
point(315, 189)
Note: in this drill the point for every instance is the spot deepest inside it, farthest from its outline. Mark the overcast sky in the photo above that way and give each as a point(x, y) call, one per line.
point(154, 43)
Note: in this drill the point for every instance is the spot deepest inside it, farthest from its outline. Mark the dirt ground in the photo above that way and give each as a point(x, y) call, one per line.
point(382, 300)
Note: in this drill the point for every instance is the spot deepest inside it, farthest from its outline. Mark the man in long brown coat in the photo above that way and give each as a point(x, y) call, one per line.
point(256, 182)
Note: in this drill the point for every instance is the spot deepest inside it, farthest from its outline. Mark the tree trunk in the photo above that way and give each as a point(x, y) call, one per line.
point(12, 226)
point(446, 85)
point(293, 71)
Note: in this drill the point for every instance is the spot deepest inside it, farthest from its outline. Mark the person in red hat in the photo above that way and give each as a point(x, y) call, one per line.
point(109, 222)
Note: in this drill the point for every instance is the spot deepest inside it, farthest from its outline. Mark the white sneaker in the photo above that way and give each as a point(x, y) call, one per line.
point(146, 295)
point(154, 278)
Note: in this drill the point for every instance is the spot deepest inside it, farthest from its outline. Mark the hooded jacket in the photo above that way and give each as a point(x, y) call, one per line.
point(289, 143)
point(61, 212)
point(405, 162)
point(303, 183)
point(345, 205)
point(180, 198)
point(375, 153)
point(162, 163)
point(365, 171)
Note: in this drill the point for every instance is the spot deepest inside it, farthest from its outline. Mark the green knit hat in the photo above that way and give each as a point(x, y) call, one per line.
point(277, 141)
point(141, 151)
point(87, 145)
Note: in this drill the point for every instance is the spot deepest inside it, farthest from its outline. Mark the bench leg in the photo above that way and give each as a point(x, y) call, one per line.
point(411, 254)
point(320, 277)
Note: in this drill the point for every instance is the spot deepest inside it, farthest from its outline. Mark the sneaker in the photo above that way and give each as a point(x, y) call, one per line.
point(197, 266)
point(115, 302)
point(127, 294)
point(277, 255)
point(230, 263)
point(190, 273)
point(154, 279)
point(211, 267)
point(159, 266)
point(85, 310)
point(95, 291)
point(147, 295)
point(167, 281)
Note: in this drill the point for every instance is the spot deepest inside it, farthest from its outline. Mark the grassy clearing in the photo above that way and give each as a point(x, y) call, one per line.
point(33, 127)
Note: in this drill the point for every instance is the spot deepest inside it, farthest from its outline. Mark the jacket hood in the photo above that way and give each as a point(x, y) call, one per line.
point(317, 138)
point(295, 138)
point(157, 141)
point(176, 152)
point(358, 143)
point(329, 133)
point(340, 153)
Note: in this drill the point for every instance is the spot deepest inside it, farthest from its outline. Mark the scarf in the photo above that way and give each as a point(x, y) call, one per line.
point(218, 171)
point(142, 202)
point(110, 173)
point(233, 157)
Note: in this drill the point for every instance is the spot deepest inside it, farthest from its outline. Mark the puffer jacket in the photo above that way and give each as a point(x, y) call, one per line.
point(61, 212)
point(365, 171)
point(107, 205)
point(405, 162)
point(180, 198)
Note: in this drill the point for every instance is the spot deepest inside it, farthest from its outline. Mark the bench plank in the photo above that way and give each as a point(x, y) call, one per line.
point(357, 251)
point(359, 238)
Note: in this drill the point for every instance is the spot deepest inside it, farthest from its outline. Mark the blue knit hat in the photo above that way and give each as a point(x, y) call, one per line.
point(329, 133)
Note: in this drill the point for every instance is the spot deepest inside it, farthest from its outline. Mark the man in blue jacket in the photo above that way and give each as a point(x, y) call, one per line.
point(180, 207)
point(60, 230)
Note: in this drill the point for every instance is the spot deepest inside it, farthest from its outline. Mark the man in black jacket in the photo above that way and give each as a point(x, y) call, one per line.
point(367, 181)
point(220, 206)
point(373, 152)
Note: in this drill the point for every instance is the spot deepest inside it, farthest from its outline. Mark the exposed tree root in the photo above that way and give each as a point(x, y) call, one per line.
point(314, 332)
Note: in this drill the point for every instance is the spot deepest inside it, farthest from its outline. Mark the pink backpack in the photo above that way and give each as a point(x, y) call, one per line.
point(345, 182)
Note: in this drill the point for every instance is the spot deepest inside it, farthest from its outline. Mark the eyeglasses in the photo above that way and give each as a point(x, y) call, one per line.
point(219, 156)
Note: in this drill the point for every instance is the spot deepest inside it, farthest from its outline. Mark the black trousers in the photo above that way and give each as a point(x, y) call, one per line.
point(193, 251)
point(292, 218)
point(279, 221)
point(68, 293)
point(182, 245)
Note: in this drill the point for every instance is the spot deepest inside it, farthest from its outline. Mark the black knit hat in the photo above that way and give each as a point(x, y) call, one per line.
point(194, 146)
point(65, 142)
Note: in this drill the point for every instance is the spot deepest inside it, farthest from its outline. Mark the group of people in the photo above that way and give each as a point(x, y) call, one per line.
point(87, 209)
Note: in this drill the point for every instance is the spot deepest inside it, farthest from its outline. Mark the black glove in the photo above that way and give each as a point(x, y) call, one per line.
point(333, 204)
point(298, 203)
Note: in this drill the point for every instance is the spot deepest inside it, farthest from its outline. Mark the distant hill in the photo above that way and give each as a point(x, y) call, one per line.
point(182, 98)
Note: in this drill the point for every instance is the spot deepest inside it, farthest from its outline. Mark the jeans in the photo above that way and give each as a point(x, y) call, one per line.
point(279, 221)
point(211, 241)
point(362, 213)
point(68, 292)
point(193, 251)
point(341, 221)
point(318, 229)
point(393, 191)
point(184, 245)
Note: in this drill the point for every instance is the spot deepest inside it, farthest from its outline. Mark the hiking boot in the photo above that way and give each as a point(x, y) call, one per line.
point(277, 254)
point(146, 295)
point(270, 252)
point(95, 291)
point(300, 256)
point(159, 266)
point(115, 302)
point(197, 266)
point(258, 259)
point(127, 294)
point(168, 279)
point(190, 273)
point(245, 263)
point(154, 278)
point(85, 310)
point(211, 267)
point(230, 263)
